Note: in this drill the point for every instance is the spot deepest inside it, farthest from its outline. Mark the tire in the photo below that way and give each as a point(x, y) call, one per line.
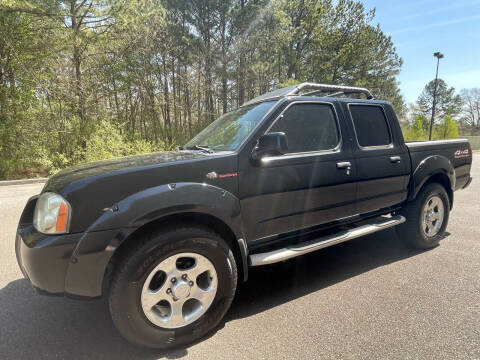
point(129, 291)
point(425, 235)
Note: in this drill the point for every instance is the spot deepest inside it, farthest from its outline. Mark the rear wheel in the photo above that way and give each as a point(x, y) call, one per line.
point(173, 287)
point(427, 217)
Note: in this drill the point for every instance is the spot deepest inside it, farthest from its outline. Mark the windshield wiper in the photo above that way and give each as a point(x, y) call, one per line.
point(197, 147)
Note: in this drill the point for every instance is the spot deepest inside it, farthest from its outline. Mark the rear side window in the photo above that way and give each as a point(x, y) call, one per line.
point(370, 125)
point(309, 127)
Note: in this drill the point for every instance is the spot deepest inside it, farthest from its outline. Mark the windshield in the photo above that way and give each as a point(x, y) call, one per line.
point(228, 132)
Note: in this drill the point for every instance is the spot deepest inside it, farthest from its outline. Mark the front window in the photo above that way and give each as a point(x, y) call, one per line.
point(228, 132)
point(309, 127)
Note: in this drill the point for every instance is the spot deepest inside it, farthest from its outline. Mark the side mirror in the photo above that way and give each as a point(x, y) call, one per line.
point(270, 144)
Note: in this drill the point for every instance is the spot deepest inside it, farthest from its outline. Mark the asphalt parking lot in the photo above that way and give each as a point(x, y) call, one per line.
point(371, 298)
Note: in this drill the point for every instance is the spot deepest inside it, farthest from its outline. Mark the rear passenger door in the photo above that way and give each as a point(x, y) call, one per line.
point(381, 159)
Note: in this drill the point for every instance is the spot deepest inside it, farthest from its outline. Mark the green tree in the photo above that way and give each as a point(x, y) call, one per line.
point(447, 103)
point(152, 73)
point(317, 40)
point(447, 129)
point(24, 91)
point(418, 130)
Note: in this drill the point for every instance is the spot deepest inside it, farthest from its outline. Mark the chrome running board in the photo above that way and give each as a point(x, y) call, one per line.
point(377, 224)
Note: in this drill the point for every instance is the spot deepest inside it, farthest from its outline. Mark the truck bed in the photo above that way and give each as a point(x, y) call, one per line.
point(457, 151)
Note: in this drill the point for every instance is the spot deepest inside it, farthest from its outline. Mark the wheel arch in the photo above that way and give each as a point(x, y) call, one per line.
point(110, 234)
point(188, 217)
point(433, 169)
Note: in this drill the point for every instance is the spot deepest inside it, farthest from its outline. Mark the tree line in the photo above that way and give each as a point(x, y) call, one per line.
point(86, 79)
point(82, 80)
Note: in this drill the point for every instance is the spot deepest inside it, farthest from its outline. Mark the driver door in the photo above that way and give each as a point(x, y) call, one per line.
point(309, 185)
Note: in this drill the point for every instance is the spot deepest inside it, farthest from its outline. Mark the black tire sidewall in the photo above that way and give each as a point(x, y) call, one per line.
point(125, 303)
point(425, 194)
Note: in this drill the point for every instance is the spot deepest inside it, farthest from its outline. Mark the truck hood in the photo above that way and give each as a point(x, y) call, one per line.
point(93, 187)
point(93, 170)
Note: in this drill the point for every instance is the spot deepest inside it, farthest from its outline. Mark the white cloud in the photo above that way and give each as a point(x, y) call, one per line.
point(434, 25)
point(436, 10)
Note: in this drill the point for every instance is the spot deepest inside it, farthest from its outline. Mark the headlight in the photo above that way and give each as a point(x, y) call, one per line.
point(52, 214)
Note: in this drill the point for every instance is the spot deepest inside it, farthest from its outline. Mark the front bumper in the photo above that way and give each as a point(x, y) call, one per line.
point(44, 259)
point(74, 264)
point(70, 264)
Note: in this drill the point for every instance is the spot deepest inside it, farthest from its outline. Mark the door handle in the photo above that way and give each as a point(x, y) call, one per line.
point(344, 165)
point(395, 159)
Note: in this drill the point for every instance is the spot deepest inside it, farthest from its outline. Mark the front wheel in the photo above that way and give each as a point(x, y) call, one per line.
point(427, 217)
point(172, 287)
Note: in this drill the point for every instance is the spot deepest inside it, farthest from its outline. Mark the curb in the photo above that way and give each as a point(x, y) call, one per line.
point(22, 182)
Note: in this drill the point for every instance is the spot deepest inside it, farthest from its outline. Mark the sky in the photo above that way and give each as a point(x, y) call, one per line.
point(420, 28)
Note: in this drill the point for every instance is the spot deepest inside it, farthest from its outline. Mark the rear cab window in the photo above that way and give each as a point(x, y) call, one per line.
point(371, 126)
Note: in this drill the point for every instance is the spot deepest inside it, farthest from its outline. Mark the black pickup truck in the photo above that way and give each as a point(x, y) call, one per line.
point(165, 236)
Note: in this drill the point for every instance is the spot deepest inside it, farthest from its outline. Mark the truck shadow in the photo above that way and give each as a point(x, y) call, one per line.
point(273, 285)
point(34, 326)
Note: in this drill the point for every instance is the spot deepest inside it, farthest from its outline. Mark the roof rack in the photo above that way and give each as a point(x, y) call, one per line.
point(295, 90)
point(320, 88)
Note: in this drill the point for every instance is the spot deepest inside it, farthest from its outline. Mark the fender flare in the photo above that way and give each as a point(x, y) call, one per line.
point(89, 261)
point(148, 205)
point(429, 167)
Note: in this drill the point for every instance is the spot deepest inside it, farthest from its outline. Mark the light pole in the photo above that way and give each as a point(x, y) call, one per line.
point(438, 55)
